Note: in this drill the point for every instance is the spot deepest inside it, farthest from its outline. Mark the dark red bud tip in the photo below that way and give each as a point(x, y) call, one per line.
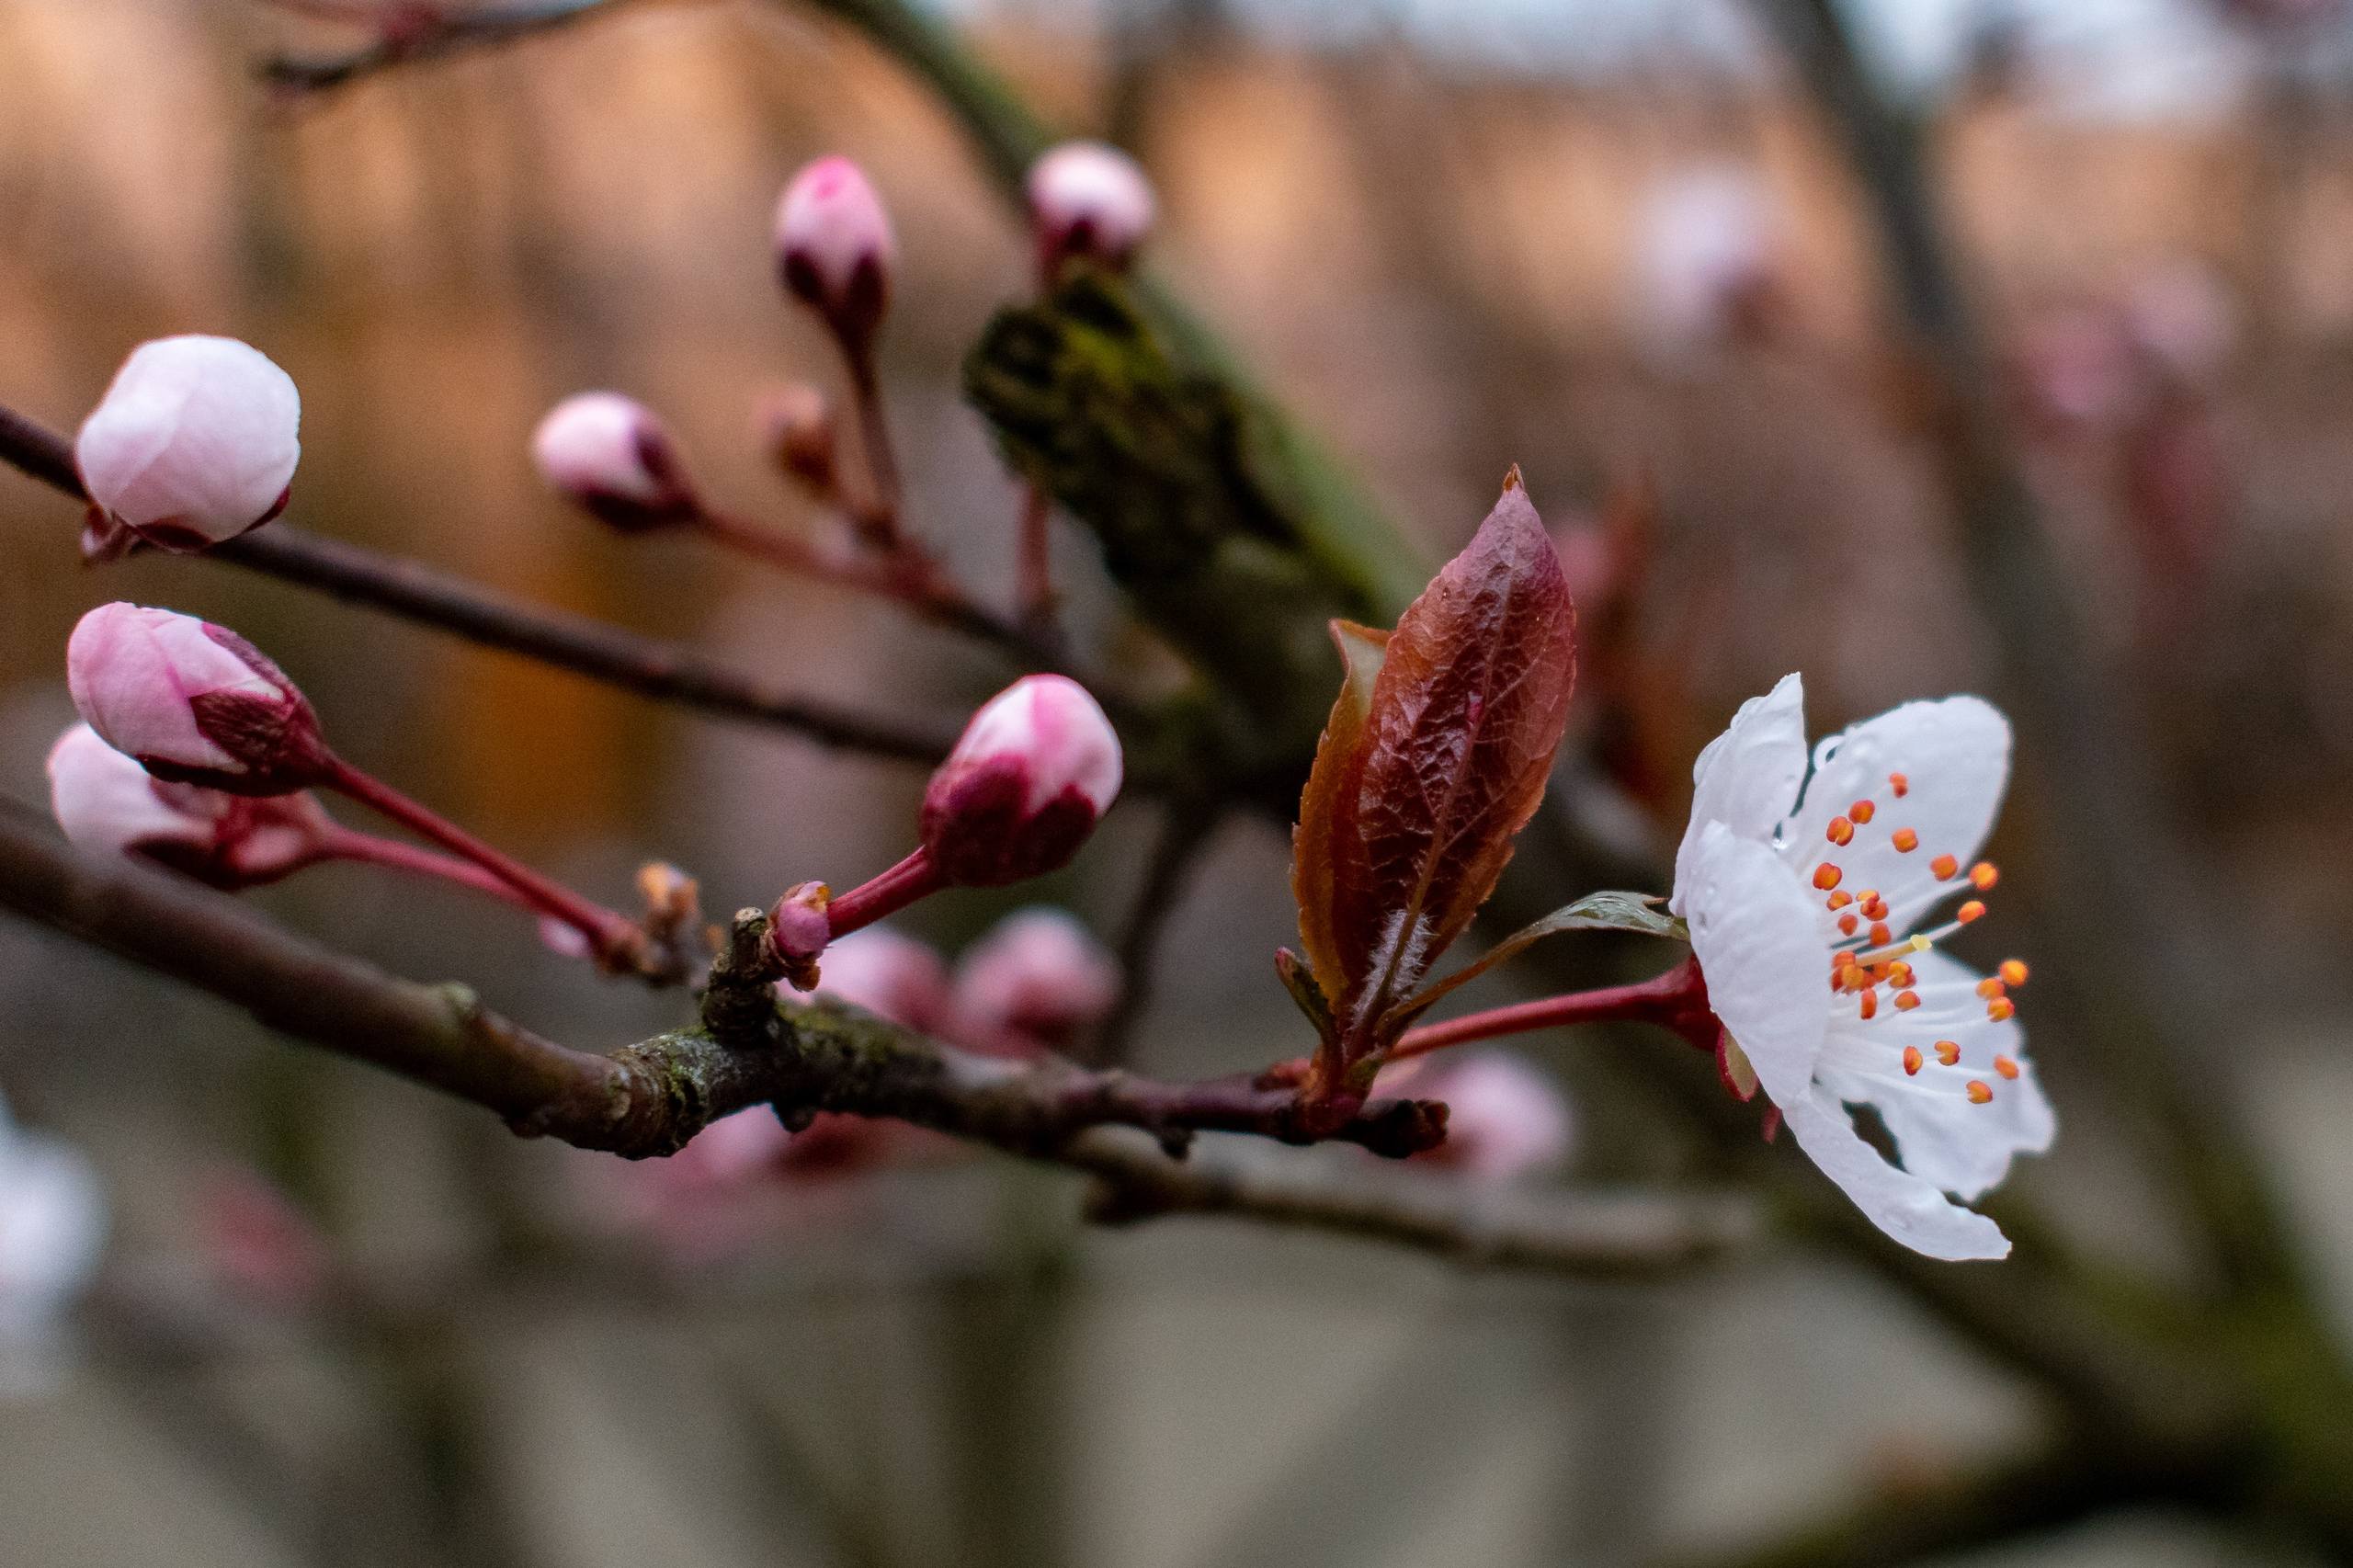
point(981, 832)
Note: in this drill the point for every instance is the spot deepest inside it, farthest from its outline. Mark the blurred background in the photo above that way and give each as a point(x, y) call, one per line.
point(342, 1320)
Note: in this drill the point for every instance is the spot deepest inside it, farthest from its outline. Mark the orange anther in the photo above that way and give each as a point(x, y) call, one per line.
point(1910, 1060)
point(1840, 831)
point(2001, 1009)
point(1847, 925)
point(1980, 1092)
point(2005, 1067)
point(2013, 972)
point(1944, 866)
point(1900, 784)
point(1871, 1004)
point(1906, 1000)
point(1841, 900)
point(1874, 908)
point(1984, 874)
point(1968, 912)
point(1899, 973)
point(1863, 812)
point(1990, 988)
point(1825, 876)
point(1905, 840)
point(1881, 935)
point(1948, 1053)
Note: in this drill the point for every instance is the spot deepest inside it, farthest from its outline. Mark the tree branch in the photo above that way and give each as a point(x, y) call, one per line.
point(440, 36)
point(662, 671)
point(649, 1098)
point(2041, 1488)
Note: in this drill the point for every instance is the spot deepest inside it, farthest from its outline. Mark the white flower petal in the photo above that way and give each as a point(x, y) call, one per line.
point(1760, 942)
point(1955, 757)
point(1748, 777)
point(107, 804)
point(1904, 1206)
point(1962, 1148)
point(200, 435)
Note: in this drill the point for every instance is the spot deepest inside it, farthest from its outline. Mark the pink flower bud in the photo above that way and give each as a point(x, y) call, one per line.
point(834, 248)
point(797, 430)
point(194, 702)
point(610, 455)
point(1505, 1119)
point(893, 977)
point(1038, 974)
point(107, 804)
point(799, 928)
point(1035, 770)
point(1710, 263)
point(1089, 199)
point(195, 442)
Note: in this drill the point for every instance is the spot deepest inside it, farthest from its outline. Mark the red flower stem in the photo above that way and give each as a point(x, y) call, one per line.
point(903, 571)
point(369, 849)
point(881, 519)
point(913, 878)
point(785, 551)
point(1678, 999)
point(612, 935)
point(1037, 570)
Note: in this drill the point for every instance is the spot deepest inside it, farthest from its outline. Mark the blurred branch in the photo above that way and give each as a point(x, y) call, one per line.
point(2042, 1488)
point(662, 671)
point(1183, 831)
point(649, 1098)
point(438, 36)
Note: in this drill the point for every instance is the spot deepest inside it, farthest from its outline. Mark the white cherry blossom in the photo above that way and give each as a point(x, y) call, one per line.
point(1812, 902)
point(53, 1228)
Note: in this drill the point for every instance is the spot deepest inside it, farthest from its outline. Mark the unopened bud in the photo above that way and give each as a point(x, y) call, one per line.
point(193, 702)
point(1034, 771)
point(1089, 200)
point(195, 442)
point(108, 805)
point(799, 928)
point(1505, 1121)
point(834, 249)
point(1039, 973)
point(1711, 259)
point(612, 456)
point(796, 428)
point(892, 976)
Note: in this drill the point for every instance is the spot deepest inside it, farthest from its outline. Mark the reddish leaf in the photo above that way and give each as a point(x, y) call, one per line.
point(1465, 715)
point(1327, 808)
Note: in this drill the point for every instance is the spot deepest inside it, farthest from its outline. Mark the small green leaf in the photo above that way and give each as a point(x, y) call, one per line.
point(1642, 912)
point(1304, 992)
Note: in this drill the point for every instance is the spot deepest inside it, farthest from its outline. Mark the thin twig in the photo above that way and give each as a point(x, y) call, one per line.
point(649, 1098)
point(662, 671)
point(2041, 1488)
point(1186, 828)
point(452, 33)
